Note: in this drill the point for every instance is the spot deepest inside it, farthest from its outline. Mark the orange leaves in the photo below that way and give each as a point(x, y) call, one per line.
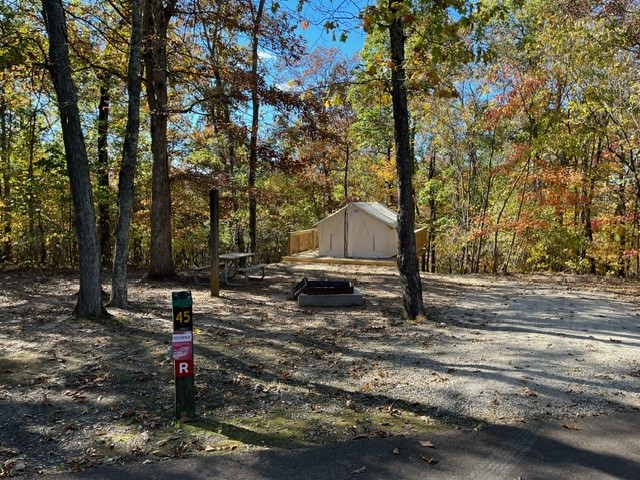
point(523, 92)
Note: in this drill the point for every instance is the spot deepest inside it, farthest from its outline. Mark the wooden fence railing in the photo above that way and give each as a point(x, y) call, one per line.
point(421, 240)
point(422, 236)
point(302, 240)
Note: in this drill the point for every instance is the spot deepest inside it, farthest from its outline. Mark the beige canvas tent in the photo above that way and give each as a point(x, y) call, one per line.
point(359, 230)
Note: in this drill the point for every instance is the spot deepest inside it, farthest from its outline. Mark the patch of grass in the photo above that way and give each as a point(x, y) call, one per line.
point(289, 427)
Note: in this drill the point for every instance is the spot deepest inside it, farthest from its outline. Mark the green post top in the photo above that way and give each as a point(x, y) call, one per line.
point(181, 299)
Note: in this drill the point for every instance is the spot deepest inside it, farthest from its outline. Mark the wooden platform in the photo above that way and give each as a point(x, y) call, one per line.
point(314, 257)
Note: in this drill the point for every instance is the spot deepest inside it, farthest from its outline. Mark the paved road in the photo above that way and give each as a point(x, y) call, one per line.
point(606, 447)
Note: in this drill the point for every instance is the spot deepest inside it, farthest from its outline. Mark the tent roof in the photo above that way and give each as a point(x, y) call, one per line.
point(375, 210)
point(379, 211)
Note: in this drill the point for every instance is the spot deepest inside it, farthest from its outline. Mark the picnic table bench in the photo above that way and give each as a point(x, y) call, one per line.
point(229, 267)
point(199, 271)
point(246, 271)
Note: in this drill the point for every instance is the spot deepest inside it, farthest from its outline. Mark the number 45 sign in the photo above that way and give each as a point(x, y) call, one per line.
point(182, 311)
point(182, 346)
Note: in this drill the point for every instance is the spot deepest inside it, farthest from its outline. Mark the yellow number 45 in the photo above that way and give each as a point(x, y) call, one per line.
point(183, 316)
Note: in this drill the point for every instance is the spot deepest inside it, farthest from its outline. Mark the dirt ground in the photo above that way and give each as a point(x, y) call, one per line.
point(77, 393)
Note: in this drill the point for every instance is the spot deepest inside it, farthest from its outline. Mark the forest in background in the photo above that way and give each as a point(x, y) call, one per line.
point(524, 130)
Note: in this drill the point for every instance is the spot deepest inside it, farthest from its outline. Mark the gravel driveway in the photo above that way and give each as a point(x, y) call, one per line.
point(509, 350)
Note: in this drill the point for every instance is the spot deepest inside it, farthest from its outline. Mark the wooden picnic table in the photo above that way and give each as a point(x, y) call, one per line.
point(234, 263)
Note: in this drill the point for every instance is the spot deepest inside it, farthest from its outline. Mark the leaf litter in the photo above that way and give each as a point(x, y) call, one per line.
point(77, 393)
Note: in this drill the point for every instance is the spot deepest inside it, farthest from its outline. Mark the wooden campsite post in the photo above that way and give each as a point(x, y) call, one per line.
point(182, 349)
point(214, 241)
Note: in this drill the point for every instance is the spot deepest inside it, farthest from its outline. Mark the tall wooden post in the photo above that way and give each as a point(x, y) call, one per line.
point(214, 241)
point(182, 349)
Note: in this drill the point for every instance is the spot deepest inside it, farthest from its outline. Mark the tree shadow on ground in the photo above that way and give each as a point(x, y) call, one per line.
point(96, 384)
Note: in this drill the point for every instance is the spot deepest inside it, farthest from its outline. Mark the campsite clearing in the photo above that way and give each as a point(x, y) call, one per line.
point(270, 373)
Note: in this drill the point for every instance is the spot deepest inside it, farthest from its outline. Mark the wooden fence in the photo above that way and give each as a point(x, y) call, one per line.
point(422, 237)
point(302, 240)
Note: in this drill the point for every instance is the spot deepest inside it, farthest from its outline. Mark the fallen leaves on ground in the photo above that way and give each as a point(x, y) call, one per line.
point(426, 444)
point(429, 460)
point(572, 426)
point(12, 467)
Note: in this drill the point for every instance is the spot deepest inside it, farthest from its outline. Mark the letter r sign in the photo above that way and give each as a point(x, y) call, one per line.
point(184, 368)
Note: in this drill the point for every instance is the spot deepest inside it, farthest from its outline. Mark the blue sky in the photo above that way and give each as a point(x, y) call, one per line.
point(343, 13)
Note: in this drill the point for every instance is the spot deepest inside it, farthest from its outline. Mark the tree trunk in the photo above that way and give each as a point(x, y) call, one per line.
point(129, 160)
point(255, 112)
point(89, 297)
point(36, 246)
point(347, 154)
point(407, 256)
point(389, 185)
point(5, 182)
point(104, 203)
point(621, 213)
point(586, 190)
point(433, 218)
point(155, 59)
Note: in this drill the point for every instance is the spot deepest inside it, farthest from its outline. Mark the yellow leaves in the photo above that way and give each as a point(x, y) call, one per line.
point(335, 100)
point(379, 65)
point(424, 78)
point(385, 172)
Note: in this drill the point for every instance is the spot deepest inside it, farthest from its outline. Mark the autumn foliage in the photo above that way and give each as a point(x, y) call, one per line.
point(524, 133)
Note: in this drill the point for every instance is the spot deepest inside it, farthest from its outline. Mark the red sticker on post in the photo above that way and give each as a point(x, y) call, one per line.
point(182, 346)
point(184, 368)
